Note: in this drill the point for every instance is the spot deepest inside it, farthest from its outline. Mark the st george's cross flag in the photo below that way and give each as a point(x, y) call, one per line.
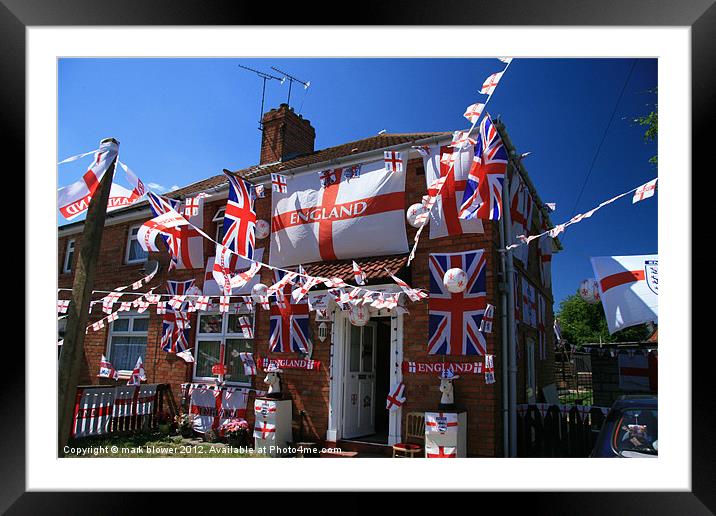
point(628, 288)
point(214, 275)
point(312, 224)
point(278, 183)
point(358, 274)
point(239, 218)
point(444, 218)
point(185, 243)
point(73, 200)
point(473, 112)
point(394, 161)
point(529, 303)
point(138, 374)
point(487, 319)
point(521, 206)
point(396, 397)
point(455, 318)
point(483, 192)
point(488, 87)
point(644, 191)
point(638, 372)
point(288, 323)
point(544, 254)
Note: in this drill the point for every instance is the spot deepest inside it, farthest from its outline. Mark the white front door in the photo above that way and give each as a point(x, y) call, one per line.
point(359, 383)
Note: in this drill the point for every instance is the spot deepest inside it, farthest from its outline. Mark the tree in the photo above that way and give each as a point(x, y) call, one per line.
point(583, 323)
point(651, 122)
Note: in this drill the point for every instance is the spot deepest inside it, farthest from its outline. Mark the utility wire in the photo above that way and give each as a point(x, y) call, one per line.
point(601, 142)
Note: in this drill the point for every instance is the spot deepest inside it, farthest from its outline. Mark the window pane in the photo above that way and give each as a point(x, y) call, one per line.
point(121, 324)
point(207, 354)
point(136, 252)
point(234, 325)
point(210, 323)
point(368, 341)
point(354, 366)
point(125, 350)
point(135, 231)
point(140, 324)
point(234, 366)
point(220, 230)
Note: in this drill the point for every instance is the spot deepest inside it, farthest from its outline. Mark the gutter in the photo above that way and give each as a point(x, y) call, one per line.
point(504, 310)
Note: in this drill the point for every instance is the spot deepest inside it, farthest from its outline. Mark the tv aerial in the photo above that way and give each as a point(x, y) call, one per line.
point(291, 80)
point(266, 77)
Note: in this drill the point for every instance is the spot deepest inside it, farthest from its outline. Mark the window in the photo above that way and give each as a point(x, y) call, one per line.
point(69, 256)
point(219, 339)
point(637, 433)
point(219, 219)
point(135, 253)
point(127, 341)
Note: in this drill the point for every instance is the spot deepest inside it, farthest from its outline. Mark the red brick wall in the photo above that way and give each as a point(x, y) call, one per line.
point(310, 389)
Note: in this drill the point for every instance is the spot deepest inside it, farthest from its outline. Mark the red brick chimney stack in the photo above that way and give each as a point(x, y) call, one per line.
point(286, 135)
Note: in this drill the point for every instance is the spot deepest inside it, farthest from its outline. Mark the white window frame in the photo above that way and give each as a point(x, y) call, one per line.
point(219, 219)
point(222, 336)
point(69, 252)
point(130, 238)
point(126, 373)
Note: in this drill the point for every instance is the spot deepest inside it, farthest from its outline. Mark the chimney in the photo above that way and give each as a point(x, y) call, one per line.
point(285, 135)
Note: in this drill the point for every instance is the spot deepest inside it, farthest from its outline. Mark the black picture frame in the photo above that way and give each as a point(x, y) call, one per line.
point(700, 15)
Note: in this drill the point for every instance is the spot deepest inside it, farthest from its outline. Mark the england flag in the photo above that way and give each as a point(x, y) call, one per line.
point(628, 288)
point(444, 218)
point(312, 224)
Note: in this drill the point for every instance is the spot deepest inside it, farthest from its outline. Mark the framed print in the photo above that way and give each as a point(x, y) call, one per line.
point(436, 236)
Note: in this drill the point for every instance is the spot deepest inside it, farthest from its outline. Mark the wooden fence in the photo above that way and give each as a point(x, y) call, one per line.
point(123, 409)
point(545, 430)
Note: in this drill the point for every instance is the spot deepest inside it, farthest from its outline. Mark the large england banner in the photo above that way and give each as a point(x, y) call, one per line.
point(629, 288)
point(347, 218)
point(444, 218)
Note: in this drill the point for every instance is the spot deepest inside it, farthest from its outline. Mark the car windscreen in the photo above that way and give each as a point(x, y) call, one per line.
point(637, 433)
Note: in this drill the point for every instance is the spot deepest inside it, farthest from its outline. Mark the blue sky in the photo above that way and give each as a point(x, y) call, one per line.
point(181, 120)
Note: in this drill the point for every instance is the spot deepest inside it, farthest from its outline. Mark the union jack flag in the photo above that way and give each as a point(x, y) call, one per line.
point(288, 324)
point(175, 331)
point(483, 192)
point(239, 218)
point(179, 288)
point(455, 318)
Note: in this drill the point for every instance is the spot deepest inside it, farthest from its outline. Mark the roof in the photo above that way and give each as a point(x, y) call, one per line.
point(380, 141)
point(373, 268)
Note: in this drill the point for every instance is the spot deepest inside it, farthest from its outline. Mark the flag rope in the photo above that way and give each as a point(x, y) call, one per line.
point(559, 228)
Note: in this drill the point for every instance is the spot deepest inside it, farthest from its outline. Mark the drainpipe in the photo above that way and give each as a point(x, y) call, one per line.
point(504, 323)
point(506, 236)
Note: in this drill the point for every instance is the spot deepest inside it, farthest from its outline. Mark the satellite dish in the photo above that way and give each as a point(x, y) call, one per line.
point(150, 267)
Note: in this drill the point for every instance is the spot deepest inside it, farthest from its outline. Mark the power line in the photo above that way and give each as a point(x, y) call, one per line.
point(601, 142)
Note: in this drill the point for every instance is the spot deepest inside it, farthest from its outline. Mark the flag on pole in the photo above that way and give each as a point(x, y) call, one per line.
point(239, 218)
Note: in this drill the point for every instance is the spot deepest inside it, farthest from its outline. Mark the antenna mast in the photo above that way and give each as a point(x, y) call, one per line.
point(291, 80)
point(265, 77)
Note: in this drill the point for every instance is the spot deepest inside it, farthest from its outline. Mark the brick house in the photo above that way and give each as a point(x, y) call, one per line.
point(319, 407)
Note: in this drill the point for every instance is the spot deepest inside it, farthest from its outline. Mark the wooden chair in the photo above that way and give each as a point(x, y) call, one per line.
point(414, 434)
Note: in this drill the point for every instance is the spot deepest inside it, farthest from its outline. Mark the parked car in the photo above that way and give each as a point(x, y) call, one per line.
point(631, 428)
